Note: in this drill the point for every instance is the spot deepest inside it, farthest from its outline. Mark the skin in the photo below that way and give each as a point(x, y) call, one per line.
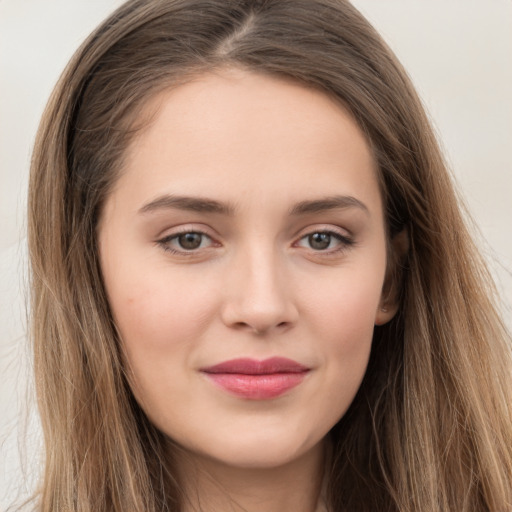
point(256, 286)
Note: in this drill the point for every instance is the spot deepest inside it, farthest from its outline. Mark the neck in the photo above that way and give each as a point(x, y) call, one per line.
point(212, 486)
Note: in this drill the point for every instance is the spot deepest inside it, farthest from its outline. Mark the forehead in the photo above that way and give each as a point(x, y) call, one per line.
point(248, 130)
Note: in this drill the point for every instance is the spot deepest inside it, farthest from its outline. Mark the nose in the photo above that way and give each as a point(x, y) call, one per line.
point(257, 294)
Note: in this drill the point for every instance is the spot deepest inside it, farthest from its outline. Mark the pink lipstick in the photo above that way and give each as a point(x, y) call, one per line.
point(257, 380)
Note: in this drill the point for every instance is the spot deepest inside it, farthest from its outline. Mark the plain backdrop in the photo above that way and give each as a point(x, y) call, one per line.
point(458, 53)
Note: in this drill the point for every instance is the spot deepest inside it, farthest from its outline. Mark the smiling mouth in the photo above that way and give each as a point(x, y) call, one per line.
point(257, 380)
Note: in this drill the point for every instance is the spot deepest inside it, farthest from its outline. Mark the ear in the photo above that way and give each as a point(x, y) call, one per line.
point(390, 298)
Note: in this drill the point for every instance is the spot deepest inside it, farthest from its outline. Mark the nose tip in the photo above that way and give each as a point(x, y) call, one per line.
point(257, 320)
point(259, 300)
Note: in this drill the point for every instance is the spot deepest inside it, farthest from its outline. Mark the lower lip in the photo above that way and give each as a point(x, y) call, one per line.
point(257, 387)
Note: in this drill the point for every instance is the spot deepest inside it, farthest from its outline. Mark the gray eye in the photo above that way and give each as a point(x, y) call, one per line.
point(319, 241)
point(190, 241)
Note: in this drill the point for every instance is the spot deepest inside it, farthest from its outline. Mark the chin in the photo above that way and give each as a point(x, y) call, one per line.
point(260, 451)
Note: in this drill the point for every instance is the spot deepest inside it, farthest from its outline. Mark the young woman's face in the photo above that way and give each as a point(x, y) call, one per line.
point(244, 254)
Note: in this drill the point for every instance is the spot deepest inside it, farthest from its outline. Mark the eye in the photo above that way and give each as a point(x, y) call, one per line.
point(320, 241)
point(188, 241)
point(327, 241)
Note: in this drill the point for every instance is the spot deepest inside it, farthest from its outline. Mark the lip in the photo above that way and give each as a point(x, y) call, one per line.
point(257, 380)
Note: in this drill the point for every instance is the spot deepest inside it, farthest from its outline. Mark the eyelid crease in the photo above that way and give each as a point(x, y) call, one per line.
point(324, 227)
point(181, 229)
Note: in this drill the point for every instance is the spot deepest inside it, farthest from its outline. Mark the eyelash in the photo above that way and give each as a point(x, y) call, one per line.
point(345, 242)
point(164, 242)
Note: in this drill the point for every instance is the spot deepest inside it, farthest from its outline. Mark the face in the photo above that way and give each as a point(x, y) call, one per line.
point(243, 251)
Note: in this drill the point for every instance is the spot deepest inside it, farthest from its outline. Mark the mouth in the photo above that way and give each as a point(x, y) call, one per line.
point(257, 380)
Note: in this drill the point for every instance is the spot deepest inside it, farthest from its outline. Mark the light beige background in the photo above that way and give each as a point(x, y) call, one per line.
point(458, 53)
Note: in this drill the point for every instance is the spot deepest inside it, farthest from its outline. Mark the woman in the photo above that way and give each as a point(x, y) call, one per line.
point(252, 285)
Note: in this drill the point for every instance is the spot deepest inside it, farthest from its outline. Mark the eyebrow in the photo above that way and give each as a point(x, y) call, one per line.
point(328, 203)
point(205, 205)
point(191, 204)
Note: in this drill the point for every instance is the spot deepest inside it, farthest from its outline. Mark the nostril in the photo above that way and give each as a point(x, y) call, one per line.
point(258, 329)
point(241, 325)
point(259, 314)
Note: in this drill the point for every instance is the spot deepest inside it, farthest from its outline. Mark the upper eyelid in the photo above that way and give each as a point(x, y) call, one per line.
point(165, 241)
point(171, 236)
point(323, 228)
point(165, 244)
point(343, 239)
point(182, 229)
point(326, 231)
point(176, 231)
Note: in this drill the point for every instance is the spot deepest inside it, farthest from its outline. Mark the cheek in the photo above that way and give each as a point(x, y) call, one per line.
point(344, 306)
point(343, 319)
point(162, 321)
point(348, 334)
point(161, 311)
point(157, 311)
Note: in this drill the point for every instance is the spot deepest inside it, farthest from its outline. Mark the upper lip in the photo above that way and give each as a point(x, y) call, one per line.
point(247, 366)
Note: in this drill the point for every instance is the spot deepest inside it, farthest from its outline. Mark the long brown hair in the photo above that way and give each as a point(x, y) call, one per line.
point(431, 426)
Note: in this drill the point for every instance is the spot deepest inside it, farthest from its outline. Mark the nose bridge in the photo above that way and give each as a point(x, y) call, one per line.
point(259, 297)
